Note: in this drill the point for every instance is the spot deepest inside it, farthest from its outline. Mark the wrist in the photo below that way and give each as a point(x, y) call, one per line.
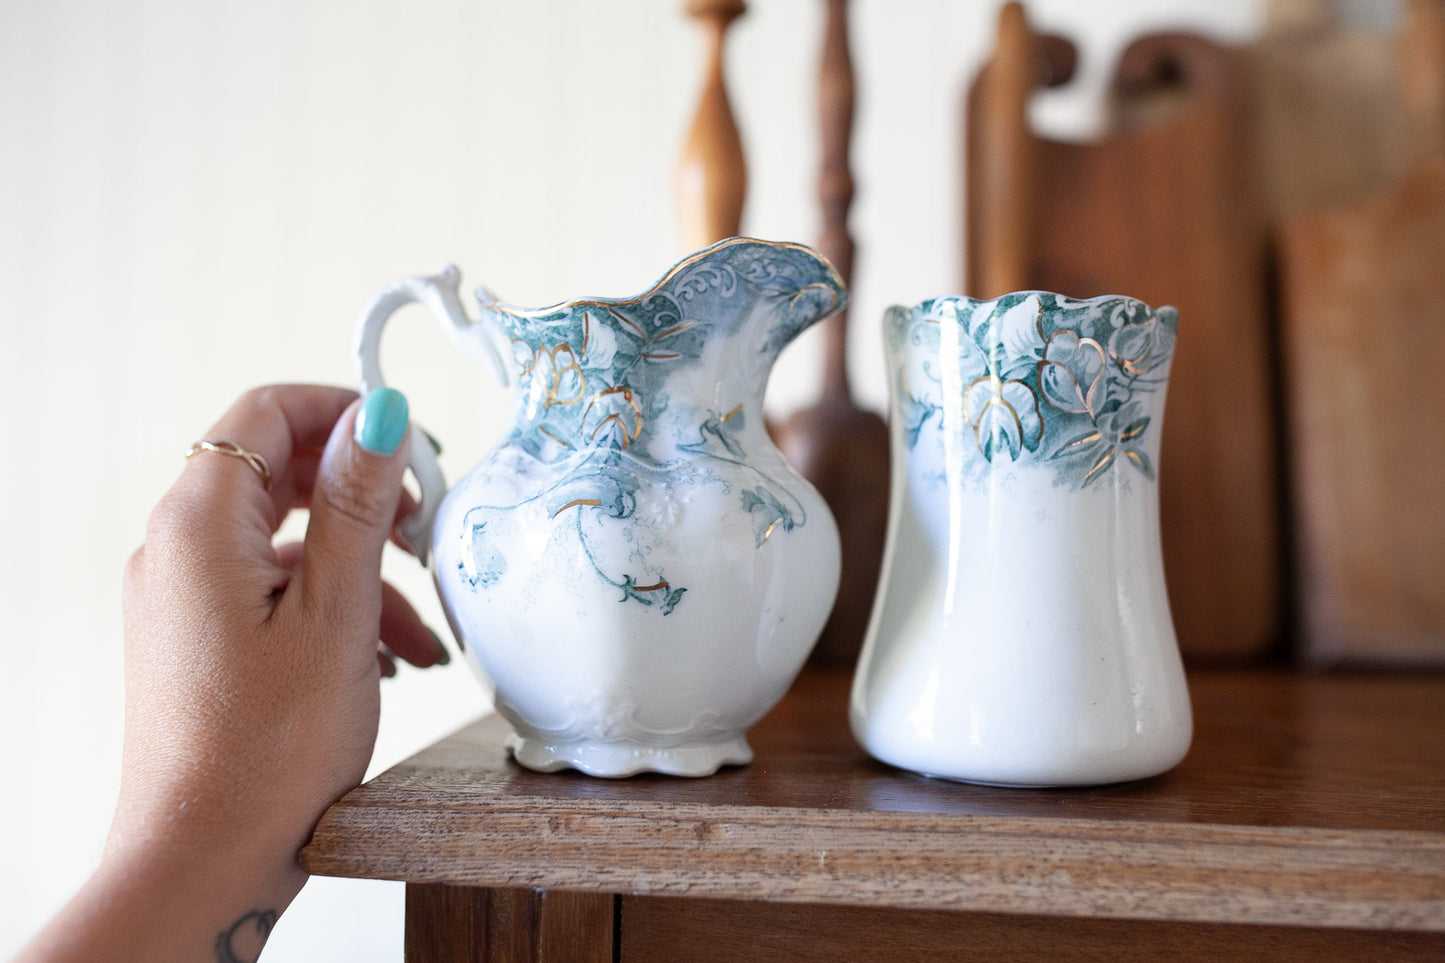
point(158, 902)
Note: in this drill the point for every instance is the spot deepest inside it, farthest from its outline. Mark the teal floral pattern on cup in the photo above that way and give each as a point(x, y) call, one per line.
point(1032, 378)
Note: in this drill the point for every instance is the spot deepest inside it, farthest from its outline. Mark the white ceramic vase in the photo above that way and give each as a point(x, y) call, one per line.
point(1022, 635)
point(636, 568)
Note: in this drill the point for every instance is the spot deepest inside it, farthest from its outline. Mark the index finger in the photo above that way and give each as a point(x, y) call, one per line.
point(280, 423)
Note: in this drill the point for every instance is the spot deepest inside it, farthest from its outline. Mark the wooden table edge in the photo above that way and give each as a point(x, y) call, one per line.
point(1184, 872)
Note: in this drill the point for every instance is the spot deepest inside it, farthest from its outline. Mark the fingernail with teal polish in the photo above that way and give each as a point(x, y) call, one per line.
point(381, 422)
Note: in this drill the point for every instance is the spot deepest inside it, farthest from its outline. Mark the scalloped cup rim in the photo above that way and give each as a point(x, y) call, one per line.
point(966, 298)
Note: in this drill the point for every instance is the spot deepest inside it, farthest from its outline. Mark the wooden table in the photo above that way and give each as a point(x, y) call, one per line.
point(1307, 822)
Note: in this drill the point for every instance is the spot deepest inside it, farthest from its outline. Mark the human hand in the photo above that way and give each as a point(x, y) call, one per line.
point(252, 672)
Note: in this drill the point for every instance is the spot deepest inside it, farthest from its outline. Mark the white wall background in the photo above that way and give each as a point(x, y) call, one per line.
point(198, 196)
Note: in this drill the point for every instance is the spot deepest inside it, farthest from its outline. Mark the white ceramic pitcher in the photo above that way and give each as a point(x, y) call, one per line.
point(1022, 633)
point(635, 566)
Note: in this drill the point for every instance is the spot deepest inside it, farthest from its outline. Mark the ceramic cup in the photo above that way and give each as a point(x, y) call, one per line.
point(1022, 635)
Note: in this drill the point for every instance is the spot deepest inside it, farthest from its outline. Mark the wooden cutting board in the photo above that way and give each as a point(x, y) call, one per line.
point(1364, 340)
point(1163, 208)
point(1364, 346)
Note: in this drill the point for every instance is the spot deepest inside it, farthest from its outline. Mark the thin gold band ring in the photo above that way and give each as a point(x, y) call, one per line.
point(236, 451)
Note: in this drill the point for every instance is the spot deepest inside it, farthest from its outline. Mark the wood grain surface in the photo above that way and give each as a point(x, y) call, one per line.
point(450, 924)
point(658, 928)
point(1165, 208)
point(1306, 801)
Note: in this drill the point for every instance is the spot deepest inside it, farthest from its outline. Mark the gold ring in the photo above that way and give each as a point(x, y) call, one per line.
point(235, 450)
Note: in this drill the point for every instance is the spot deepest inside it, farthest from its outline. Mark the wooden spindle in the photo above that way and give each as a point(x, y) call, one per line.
point(840, 448)
point(712, 175)
point(835, 183)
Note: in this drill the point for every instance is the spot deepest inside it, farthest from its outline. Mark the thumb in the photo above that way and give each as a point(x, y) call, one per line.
point(353, 508)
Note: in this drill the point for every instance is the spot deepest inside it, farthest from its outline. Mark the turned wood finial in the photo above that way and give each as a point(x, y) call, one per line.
point(712, 175)
point(835, 181)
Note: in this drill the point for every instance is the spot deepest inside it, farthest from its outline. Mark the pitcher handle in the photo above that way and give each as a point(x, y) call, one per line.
point(438, 292)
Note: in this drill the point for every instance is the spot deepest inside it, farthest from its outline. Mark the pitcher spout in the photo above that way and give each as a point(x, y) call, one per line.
point(791, 300)
point(766, 292)
point(611, 371)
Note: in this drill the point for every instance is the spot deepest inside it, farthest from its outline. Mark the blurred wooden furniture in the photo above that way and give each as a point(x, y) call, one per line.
point(1306, 822)
point(1289, 198)
point(1164, 208)
point(1330, 124)
point(1363, 346)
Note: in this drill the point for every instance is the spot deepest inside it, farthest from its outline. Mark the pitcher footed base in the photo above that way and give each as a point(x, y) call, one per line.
point(620, 759)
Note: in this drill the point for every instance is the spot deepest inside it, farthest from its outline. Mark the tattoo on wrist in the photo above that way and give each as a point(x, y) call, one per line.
point(242, 943)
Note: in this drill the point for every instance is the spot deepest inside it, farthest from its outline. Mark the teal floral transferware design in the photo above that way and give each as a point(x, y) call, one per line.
point(1021, 634)
point(634, 567)
point(1034, 378)
point(608, 401)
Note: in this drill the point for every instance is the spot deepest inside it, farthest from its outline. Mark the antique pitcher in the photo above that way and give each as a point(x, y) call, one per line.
point(1022, 633)
point(635, 568)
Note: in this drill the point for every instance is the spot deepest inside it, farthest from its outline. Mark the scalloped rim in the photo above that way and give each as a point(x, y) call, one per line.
point(910, 310)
